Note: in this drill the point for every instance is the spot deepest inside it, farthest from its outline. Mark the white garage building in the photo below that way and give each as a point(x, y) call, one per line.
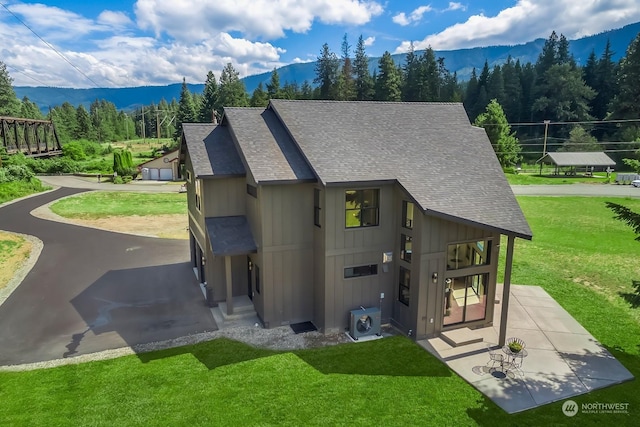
point(163, 168)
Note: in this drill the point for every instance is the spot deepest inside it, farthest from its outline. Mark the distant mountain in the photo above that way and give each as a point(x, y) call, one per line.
point(461, 61)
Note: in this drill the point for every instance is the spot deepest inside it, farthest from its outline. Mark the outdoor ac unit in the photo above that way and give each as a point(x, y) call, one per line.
point(364, 322)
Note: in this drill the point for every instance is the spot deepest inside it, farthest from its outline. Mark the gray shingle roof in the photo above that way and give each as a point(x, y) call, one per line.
point(211, 150)
point(579, 159)
point(230, 235)
point(268, 150)
point(447, 165)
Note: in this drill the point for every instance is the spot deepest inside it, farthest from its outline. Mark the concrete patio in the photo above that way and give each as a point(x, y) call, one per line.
point(562, 359)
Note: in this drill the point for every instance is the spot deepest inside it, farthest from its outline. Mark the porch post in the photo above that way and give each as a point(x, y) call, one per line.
point(506, 290)
point(229, 283)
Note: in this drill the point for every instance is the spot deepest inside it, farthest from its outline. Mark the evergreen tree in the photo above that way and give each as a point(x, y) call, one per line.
point(186, 109)
point(85, 127)
point(626, 105)
point(388, 81)
point(411, 76)
point(495, 85)
point(259, 98)
point(306, 91)
point(327, 73)
point(273, 87)
point(363, 79)
point(580, 140)
point(605, 85)
point(29, 110)
point(231, 91)
point(346, 84)
point(471, 93)
point(430, 76)
point(64, 119)
point(209, 99)
point(512, 90)
point(505, 143)
point(9, 103)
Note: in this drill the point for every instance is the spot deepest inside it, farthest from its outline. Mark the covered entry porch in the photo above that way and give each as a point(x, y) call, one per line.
point(231, 243)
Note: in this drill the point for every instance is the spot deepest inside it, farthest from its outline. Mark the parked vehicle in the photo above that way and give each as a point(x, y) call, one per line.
point(636, 182)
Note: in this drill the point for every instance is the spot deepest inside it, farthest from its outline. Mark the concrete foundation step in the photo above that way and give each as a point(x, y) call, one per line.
point(460, 337)
point(242, 307)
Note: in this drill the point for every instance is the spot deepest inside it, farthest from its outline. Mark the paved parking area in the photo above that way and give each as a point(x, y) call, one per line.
point(93, 290)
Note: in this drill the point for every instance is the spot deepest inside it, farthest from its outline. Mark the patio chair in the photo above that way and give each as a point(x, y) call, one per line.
point(495, 358)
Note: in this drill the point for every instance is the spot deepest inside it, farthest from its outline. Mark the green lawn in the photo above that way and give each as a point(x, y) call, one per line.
point(535, 179)
point(579, 254)
point(99, 204)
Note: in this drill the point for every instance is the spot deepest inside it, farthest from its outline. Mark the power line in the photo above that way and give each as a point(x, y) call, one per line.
point(585, 122)
point(26, 75)
point(50, 46)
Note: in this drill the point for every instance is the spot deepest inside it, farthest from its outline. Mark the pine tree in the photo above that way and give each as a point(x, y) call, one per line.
point(412, 76)
point(259, 98)
point(186, 109)
point(273, 87)
point(363, 79)
point(388, 81)
point(209, 99)
point(327, 73)
point(580, 140)
point(505, 143)
point(9, 103)
point(85, 127)
point(231, 91)
point(430, 76)
point(346, 84)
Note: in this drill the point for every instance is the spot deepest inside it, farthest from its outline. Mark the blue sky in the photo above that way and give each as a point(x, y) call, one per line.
point(119, 43)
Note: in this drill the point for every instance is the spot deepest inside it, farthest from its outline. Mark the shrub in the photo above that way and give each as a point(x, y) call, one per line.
point(73, 150)
point(12, 173)
point(126, 179)
point(107, 150)
point(118, 180)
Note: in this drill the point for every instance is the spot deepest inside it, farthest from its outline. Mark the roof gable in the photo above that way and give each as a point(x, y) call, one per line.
point(579, 159)
point(211, 150)
point(446, 165)
point(268, 150)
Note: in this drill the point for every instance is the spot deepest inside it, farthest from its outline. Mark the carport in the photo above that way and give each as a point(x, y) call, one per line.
point(573, 162)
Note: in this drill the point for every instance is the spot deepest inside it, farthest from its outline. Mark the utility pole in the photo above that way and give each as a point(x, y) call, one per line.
point(143, 130)
point(544, 146)
point(158, 124)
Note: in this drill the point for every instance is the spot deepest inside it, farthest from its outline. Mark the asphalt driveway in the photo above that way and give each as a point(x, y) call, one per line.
point(93, 290)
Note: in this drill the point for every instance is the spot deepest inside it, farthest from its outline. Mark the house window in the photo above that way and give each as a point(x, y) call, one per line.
point(407, 214)
point(361, 270)
point(188, 176)
point(404, 283)
point(316, 207)
point(252, 190)
point(257, 270)
point(198, 194)
point(361, 208)
point(470, 254)
point(405, 247)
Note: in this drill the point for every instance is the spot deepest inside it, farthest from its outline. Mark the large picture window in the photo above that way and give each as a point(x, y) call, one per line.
point(404, 283)
point(470, 254)
point(362, 208)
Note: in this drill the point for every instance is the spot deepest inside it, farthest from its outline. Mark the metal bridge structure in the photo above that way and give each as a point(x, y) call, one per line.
point(33, 138)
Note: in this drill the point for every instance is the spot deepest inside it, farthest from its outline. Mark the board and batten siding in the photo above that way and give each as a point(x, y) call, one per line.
point(353, 247)
point(286, 249)
point(436, 235)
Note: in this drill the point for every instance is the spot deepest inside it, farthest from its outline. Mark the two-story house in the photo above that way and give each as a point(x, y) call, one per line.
point(315, 208)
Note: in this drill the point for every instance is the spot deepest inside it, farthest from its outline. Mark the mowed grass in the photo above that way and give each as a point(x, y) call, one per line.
point(580, 255)
point(535, 179)
point(99, 204)
point(14, 250)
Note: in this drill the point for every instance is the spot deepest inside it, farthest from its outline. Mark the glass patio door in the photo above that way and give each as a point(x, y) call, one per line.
point(465, 299)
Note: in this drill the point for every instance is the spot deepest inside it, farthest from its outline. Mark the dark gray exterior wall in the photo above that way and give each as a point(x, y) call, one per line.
point(286, 252)
point(354, 247)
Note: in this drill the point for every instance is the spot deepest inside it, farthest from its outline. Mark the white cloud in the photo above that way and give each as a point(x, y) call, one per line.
point(455, 6)
point(529, 19)
point(413, 17)
point(297, 60)
point(369, 41)
point(114, 19)
point(194, 20)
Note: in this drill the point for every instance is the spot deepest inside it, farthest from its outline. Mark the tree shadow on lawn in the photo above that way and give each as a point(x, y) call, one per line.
point(393, 356)
point(632, 298)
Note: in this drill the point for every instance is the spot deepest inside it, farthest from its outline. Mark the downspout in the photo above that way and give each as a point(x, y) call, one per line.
point(506, 291)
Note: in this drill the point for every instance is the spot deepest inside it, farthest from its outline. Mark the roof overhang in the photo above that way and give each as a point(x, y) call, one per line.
point(230, 235)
